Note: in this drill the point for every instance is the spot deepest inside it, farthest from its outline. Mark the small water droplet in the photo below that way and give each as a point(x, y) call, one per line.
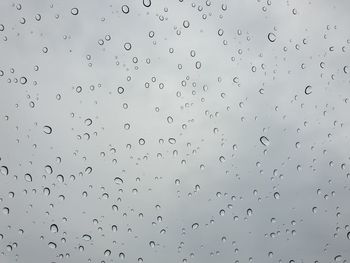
point(142, 141)
point(271, 37)
point(125, 9)
point(52, 245)
point(86, 237)
point(28, 177)
point(47, 129)
point(74, 11)
point(118, 180)
point(54, 228)
point(147, 3)
point(308, 90)
point(264, 141)
point(4, 170)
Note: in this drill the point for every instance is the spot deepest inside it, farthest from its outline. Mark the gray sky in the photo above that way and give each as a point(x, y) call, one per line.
point(143, 130)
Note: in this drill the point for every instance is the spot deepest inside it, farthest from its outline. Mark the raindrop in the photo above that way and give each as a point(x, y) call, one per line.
point(172, 140)
point(23, 80)
point(74, 11)
point(186, 24)
point(271, 37)
point(308, 90)
point(264, 141)
point(6, 210)
point(54, 228)
point(28, 177)
point(249, 211)
point(52, 245)
point(88, 122)
point(120, 90)
point(127, 46)
point(195, 226)
point(86, 237)
point(118, 180)
point(125, 9)
point(47, 129)
point(222, 159)
point(147, 3)
point(4, 170)
point(107, 253)
point(142, 141)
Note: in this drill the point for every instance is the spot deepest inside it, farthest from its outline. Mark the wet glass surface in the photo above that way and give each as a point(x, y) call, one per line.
point(174, 131)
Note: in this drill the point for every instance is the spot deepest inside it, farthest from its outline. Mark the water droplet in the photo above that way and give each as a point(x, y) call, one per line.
point(249, 212)
point(338, 258)
point(23, 80)
point(86, 237)
point(6, 210)
point(4, 170)
point(142, 141)
point(170, 119)
point(47, 129)
point(107, 253)
point(118, 180)
point(222, 159)
point(28, 177)
point(172, 140)
point(264, 141)
point(195, 226)
point(276, 195)
point(271, 37)
point(88, 122)
point(74, 11)
point(147, 3)
point(125, 9)
point(52, 245)
point(127, 46)
point(121, 255)
point(54, 228)
point(308, 90)
point(186, 23)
